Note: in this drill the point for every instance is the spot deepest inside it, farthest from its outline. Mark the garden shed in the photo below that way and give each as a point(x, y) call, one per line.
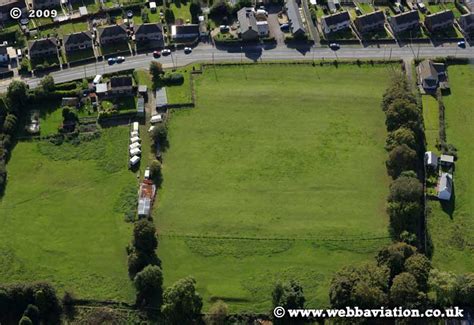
point(445, 187)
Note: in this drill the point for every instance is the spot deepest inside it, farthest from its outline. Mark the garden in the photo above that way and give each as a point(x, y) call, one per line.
point(277, 173)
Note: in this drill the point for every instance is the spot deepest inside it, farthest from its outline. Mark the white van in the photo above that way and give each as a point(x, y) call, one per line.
point(19, 54)
point(135, 152)
point(97, 79)
point(134, 160)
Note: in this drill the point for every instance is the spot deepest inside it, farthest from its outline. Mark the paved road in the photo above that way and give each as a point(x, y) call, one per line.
point(208, 53)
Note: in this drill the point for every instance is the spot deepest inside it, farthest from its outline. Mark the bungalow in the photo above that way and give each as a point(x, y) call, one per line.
point(294, 18)
point(405, 21)
point(248, 29)
point(150, 33)
point(467, 23)
point(336, 22)
point(445, 187)
point(439, 20)
point(121, 86)
point(45, 4)
point(431, 160)
point(430, 74)
point(43, 48)
point(77, 41)
point(185, 33)
point(7, 5)
point(370, 22)
point(112, 34)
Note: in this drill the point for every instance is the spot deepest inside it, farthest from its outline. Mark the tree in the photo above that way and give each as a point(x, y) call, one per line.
point(169, 16)
point(68, 304)
point(148, 284)
point(419, 266)
point(217, 313)
point(156, 71)
point(25, 321)
point(365, 286)
point(159, 136)
point(220, 11)
point(47, 83)
point(33, 313)
point(181, 303)
point(17, 96)
point(401, 136)
point(406, 189)
point(138, 260)
point(404, 216)
point(401, 158)
point(443, 285)
point(46, 299)
point(398, 89)
point(9, 125)
point(465, 290)
point(4, 296)
point(144, 236)
point(195, 10)
point(402, 113)
point(394, 257)
point(155, 170)
point(289, 296)
point(404, 291)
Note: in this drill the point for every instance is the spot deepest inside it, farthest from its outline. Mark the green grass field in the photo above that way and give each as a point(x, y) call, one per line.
point(452, 232)
point(431, 120)
point(61, 217)
point(277, 173)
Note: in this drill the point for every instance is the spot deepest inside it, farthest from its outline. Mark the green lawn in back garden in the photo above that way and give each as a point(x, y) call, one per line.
point(431, 121)
point(452, 230)
point(61, 216)
point(278, 173)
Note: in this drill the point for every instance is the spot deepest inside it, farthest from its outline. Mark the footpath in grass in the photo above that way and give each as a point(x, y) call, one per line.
point(62, 219)
point(278, 173)
point(451, 226)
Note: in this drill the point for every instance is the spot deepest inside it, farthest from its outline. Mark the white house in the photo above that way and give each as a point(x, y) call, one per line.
point(431, 159)
point(445, 186)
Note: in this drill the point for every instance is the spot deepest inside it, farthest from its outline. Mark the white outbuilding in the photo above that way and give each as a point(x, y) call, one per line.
point(135, 127)
point(431, 159)
point(156, 119)
point(445, 187)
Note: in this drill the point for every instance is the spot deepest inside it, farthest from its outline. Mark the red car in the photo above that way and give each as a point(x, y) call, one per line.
point(156, 54)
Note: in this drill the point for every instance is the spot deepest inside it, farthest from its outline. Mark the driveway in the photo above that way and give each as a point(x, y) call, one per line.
point(274, 26)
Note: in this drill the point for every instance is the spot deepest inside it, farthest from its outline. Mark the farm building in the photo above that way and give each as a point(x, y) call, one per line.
point(146, 196)
point(445, 187)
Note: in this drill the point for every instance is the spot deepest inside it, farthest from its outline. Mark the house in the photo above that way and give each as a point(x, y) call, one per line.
point(431, 160)
point(45, 4)
point(43, 48)
point(439, 20)
point(77, 41)
point(294, 18)
point(150, 33)
point(431, 75)
point(248, 30)
point(445, 187)
point(4, 58)
point(446, 161)
point(120, 86)
point(405, 21)
point(112, 34)
point(141, 106)
point(185, 33)
point(335, 22)
point(161, 99)
point(467, 23)
point(370, 22)
point(7, 5)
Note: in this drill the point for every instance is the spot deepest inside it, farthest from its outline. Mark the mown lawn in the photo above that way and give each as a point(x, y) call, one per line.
point(277, 173)
point(431, 120)
point(452, 226)
point(61, 217)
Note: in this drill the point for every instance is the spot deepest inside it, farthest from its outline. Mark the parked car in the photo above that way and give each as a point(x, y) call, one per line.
point(187, 50)
point(224, 28)
point(166, 52)
point(334, 46)
point(462, 44)
point(156, 54)
point(120, 59)
point(147, 173)
point(285, 27)
point(111, 61)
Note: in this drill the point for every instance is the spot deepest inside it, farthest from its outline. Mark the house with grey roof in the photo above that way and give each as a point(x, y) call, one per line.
point(370, 22)
point(248, 30)
point(43, 48)
point(4, 58)
point(467, 23)
point(112, 34)
point(405, 21)
point(335, 22)
point(185, 33)
point(150, 33)
point(7, 5)
point(445, 186)
point(77, 41)
point(294, 18)
point(439, 20)
point(45, 4)
point(431, 75)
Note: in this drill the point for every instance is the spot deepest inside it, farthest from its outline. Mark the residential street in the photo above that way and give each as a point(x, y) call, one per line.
point(208, 53)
